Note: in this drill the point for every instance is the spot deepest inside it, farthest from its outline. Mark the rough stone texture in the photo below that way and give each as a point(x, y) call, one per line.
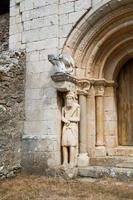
point(11, 111)
point(4, 31)
point(100, 172)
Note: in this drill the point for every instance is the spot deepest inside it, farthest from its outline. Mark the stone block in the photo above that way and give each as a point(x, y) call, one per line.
point(109, 92)
point(27, 15)
point(83, 160)
point(31, 145)
point(100, 151)
point(39, 3)
point(100, 172)
point(65, 29)
point(66, 8)
point(48, 32)
point(45, 11)
point(111, 128)
point(82, 5)
point(33, 94)
point(38, 66)
point(111, 141)
point(35, 162)
point(109, 104)
point(44, 44)
point(35, 128)
point(110, 116)
point(64, 19)
point(37, 80)
point(30, 36)
point(75, 16)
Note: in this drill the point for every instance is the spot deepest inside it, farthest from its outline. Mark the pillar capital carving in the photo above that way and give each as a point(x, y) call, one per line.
point(63, 81)
point(83, 86)
point(100, 90)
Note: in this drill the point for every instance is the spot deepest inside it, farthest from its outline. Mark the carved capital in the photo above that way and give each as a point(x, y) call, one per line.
point(100, 90)
point(92, 92)
point(83, 86)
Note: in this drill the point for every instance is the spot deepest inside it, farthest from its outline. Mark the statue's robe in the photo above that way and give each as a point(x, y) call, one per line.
point(70, 132)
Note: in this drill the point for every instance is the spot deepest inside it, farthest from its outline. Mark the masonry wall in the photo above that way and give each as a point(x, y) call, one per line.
point(4, 31)
point(41, 27)
point(11, 112)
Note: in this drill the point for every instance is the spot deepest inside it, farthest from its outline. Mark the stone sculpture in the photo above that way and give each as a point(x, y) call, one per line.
point(70, 118)
point(63, 63)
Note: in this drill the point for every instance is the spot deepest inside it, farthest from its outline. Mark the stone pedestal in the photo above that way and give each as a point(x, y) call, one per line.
point(83, 160)
point(100, 151)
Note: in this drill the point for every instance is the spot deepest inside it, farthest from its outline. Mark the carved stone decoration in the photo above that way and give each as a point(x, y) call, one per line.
point(83, 86)
point(63, 63)
point(70, 119)
point(100, 91)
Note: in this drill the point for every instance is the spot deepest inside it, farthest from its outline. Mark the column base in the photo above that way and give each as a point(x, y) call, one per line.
point(83, 160)
point(100, 151)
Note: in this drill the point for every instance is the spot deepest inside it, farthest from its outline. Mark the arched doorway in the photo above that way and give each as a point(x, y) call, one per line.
point(125, 104)
point(99, 51)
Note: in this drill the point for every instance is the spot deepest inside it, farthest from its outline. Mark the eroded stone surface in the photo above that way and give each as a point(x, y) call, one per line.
point(12, 77)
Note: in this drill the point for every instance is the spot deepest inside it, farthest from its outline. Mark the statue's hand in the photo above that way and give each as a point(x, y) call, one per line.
point(67, 123)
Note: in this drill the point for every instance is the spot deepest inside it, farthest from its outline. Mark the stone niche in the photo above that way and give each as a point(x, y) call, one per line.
point(12, 79)
point(74, 113)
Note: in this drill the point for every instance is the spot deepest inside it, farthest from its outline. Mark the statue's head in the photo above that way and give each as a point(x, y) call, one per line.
point(70, 98)
point(52, 58)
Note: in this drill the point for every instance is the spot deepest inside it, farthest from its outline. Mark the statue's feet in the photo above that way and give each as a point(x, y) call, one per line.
point(65, 164)
point(72, 164)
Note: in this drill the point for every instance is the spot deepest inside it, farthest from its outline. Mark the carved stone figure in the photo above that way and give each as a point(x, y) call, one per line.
point(70, 118)
point(63, 63)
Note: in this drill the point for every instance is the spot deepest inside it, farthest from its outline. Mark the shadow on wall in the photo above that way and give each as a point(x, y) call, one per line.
point(4, 6)
point(4, 25)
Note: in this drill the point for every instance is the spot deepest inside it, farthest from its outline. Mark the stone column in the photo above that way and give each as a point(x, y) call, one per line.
point(100, 146)
point(83, 159)
point(91, 122)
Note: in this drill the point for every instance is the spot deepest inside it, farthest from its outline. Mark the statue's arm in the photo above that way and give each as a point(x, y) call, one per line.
point(63, 116)
point(76, 118)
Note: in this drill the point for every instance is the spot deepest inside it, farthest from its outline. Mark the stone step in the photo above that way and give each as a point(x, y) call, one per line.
point(115, 161)
point(100, 172)
point(121, 151)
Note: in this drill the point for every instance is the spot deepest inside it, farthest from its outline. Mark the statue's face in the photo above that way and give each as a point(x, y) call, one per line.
point(69, 102)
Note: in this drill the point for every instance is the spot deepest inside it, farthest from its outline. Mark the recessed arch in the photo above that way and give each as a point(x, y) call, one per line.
point(102, 33)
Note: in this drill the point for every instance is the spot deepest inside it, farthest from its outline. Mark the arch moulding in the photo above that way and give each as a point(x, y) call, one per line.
point(101, 43)
point(102, 32)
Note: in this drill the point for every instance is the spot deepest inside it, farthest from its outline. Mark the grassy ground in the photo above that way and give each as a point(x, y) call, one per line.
point(42, 188)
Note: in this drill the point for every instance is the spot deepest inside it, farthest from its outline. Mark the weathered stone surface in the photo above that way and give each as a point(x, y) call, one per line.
point(98, 35)
point(12, 75)
point(4, 31)
point(100, 172)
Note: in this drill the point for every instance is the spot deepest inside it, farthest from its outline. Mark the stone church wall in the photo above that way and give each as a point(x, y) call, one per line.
point(41, 27)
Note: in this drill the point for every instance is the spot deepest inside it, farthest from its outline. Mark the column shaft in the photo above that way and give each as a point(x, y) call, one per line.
point(83, 124)
point(99, 121)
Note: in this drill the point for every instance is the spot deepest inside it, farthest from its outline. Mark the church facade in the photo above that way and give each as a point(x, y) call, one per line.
point(97, 37)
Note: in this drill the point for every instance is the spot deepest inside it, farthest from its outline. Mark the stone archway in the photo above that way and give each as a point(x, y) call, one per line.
point(100, 44)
